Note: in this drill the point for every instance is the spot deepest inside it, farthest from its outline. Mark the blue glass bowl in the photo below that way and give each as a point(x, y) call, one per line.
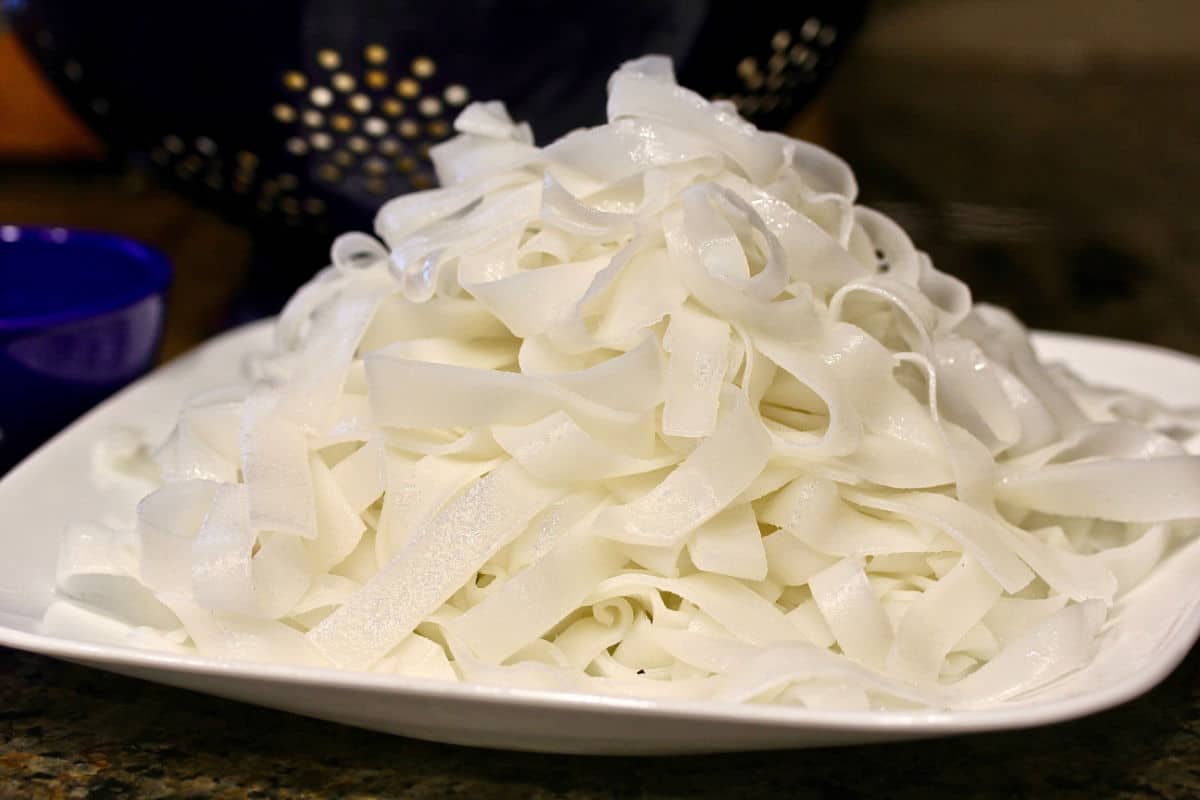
point(81, 315)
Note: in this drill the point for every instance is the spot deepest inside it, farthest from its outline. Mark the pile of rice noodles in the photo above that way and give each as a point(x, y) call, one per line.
point(655, 410)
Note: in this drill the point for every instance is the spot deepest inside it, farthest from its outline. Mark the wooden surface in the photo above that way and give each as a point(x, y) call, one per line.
point(35, 124)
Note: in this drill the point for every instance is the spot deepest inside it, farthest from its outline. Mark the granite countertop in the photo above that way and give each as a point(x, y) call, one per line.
point(69, 731)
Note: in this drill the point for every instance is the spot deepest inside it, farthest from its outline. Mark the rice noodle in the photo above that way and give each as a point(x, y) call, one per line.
point(644, 412)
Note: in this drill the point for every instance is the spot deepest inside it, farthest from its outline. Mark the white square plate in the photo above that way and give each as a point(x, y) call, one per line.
point(1152, 630)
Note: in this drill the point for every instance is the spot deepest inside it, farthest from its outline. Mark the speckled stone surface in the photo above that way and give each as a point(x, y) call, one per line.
point(68, 731)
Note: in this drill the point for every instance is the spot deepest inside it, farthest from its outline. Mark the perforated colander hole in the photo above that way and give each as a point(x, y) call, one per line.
point(430, 106)
point(408, 88)
point(329, 59)
point(375, 54)
point(423, 67)
point(245, 171)
point(321, 96)
point(802, 56)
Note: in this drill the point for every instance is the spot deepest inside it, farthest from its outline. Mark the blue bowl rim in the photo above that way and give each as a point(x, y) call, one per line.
point(159, 273)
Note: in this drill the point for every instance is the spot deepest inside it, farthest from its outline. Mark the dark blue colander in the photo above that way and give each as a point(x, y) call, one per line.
point(298, 118)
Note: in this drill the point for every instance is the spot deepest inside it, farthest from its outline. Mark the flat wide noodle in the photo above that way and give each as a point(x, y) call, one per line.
point(449, 550)
point(655, 410)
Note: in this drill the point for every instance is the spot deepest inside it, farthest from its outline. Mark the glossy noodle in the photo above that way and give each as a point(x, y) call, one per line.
point(654, 410)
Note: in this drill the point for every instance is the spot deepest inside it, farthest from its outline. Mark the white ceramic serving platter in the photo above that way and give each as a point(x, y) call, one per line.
point(1153, 629)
